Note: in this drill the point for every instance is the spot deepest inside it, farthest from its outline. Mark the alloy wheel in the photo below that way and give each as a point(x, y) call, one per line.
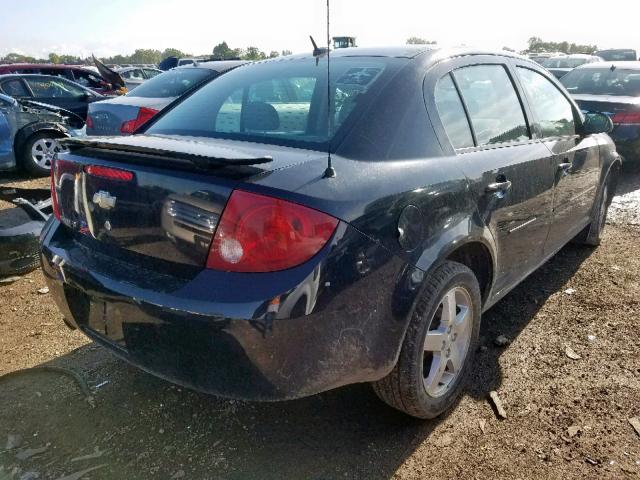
point(447, 342)
point(43, 151)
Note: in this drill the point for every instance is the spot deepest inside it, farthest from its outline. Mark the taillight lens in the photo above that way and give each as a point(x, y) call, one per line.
point(58, 169)
point(258, 233)
point(626, 118)
point(89, 122)
point(109, 173)
point(144, 115)
point(54, 193)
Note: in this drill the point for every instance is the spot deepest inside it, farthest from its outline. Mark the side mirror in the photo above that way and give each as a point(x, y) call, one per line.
point(596, 123)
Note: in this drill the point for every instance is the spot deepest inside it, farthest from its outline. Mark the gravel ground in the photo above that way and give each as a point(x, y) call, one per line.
point(569, 379)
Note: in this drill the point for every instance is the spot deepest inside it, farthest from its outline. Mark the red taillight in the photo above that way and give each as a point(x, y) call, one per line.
point(58, 169)
point(109, 173)
point(89, 122)
point(258, 233)
point(144, 115)
point(626, 118)
point(54, 193)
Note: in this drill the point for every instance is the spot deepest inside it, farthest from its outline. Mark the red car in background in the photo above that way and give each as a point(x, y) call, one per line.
point(78, 74)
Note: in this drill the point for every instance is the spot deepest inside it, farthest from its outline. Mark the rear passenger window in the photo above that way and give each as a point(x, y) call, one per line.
point(452, 114)
point(15, 88)
point(493, 105)
point(553, 111)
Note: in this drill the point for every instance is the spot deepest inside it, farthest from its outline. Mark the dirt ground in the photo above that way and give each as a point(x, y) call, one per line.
point(566, 418)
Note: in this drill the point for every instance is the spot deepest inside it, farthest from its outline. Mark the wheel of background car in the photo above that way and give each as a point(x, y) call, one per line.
point(38, 151)
point(19, 247)
point(441, 339)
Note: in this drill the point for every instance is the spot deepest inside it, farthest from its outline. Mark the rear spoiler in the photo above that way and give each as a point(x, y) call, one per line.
point(217, 157)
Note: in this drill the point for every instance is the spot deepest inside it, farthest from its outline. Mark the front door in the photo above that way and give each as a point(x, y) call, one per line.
point(59, 92)
point(576, 158)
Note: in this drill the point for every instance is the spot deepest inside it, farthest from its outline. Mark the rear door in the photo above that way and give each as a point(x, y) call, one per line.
point(576, 158)
point(511, 174)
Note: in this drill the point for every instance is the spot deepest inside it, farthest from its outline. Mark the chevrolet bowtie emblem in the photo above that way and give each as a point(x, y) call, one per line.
point(104, 200)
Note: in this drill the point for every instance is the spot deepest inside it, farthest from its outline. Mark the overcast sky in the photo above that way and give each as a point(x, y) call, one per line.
point(107, 27)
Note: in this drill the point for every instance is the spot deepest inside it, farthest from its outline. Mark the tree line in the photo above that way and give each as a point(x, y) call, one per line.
point(224, 51)
point(535, 44)
point(148, 56)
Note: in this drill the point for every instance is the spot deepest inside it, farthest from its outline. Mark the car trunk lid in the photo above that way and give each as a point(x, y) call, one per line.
point(157, 196)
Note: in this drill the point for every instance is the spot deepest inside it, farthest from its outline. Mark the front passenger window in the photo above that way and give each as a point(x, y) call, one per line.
point(553, 111)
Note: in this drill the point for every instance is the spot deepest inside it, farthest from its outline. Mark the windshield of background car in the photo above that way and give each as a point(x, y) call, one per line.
point(172, 83)
point(603, 81)
point(280, 102)
point(563, 62)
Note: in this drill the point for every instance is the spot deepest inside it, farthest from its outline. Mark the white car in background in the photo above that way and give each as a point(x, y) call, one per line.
point(135, 76)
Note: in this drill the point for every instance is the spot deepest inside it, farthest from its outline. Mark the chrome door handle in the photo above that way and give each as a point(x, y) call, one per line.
point(498, 187)
point(565, 166)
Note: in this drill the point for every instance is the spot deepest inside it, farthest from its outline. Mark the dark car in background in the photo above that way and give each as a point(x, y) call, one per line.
point(562, 65)
point(220, 248)
point(618, 55)
point(613, 89)
point(51, 90)
point(123, 115)
point(83, 76)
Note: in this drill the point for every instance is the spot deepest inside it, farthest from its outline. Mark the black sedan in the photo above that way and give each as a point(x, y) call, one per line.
point(280, 231)
point(613, 89)
point(51, 90)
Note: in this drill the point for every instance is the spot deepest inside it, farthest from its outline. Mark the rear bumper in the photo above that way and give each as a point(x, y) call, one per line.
point(627, 141)
point(341, 318)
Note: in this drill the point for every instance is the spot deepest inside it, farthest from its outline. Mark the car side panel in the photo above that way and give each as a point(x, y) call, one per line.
point(7, 132)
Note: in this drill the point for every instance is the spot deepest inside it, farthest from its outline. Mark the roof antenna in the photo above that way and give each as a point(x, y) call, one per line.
point(330, 171)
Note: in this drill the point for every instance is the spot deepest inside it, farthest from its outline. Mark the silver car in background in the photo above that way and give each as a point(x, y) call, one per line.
point(123, 115)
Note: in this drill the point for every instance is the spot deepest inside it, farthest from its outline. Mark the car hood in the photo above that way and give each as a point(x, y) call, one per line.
point(109, 75)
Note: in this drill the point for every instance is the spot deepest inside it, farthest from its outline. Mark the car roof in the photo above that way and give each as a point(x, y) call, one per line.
point(54, 66)
point(622, 65)
point(217, 66)
point(434, 53)
point(574, 55)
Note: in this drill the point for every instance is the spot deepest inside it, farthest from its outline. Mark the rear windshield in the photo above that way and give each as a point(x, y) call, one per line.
point(280, 102)
point(172, 83)
point(603, 81)
point(563, 62)
point(618, 55)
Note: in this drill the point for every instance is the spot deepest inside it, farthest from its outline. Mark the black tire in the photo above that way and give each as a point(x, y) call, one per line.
point(26, 157)
point(592, 235)
point(19, 248)
point(404, 388)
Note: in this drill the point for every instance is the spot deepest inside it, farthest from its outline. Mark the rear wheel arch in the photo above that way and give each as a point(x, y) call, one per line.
point(478, 258)
point(28, 131)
